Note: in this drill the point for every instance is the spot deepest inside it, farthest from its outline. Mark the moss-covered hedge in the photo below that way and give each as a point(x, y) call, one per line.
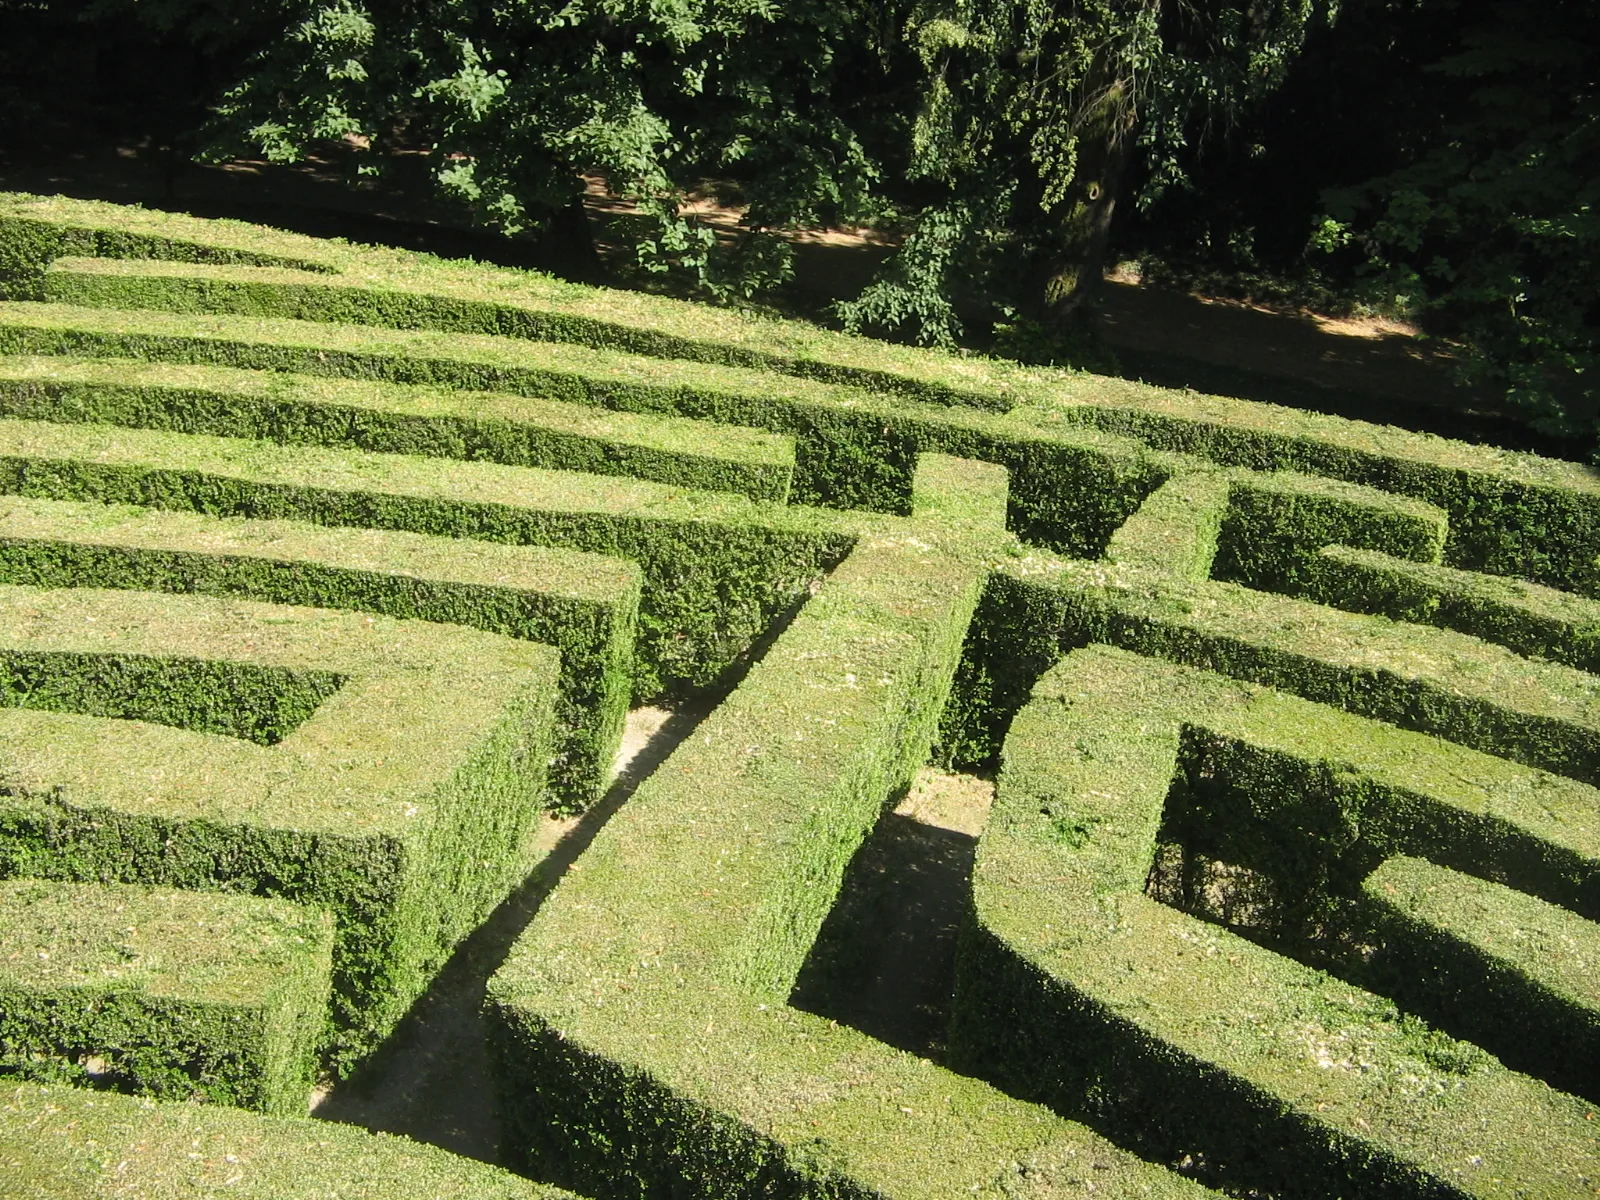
point(1035, 607)
point(1524, 617)
point(1184, 1038)
point(584, 605)
point(641, 1032)
point(1495, 966)
point(175, 994)
point(1511, 514)
point(60, 1143)
point(408, 841)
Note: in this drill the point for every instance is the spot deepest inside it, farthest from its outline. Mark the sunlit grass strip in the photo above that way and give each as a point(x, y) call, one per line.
point(584, 605)
point(400, 804)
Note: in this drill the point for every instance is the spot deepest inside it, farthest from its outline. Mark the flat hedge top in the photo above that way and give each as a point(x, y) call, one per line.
point(1089, 765)
point(212, 947)
point(62, 1142)
point(1315, 635)
point(657, 432)
point(1555, 948)
point(354, 766)
point(594, 578)
point(421, 477)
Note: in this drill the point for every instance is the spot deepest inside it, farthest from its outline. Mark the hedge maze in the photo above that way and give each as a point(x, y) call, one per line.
point(324, 570)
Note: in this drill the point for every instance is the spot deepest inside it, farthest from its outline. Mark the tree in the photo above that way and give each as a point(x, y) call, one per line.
point(1494, 230)
point(1030, 112)
point(1000, 130)
point(513, 104)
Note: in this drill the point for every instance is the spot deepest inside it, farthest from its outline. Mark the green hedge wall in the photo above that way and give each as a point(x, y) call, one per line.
point(1532, 620)
point(717, 569)
point(400, 419)
point(1186, 1039)
point(1513, 514)
point(640, 1026)
point(853, 448)
point(175, 994)
point(60, 1143)
point(408, 841)
point(1497, 967)
point(1454, 686)
point(584, 605)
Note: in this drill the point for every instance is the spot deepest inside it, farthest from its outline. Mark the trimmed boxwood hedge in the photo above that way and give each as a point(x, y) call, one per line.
point(400, 419)
point(61, 1143)
point(310, 420)
point(717, 568)
point(1524, 617)
point(1511, 514)
point(1077, 989)
point(584, 605)
point(1458, 687)
point(853, 448)
point(641, 1033)
point(175, 994)
point(1500, 968)
point(408, 841)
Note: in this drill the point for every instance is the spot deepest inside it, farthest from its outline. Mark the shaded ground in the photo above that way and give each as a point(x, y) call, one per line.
point(885, 960)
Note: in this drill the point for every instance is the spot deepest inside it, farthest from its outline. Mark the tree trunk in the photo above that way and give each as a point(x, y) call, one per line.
point(566, 247)
point(1075, 269)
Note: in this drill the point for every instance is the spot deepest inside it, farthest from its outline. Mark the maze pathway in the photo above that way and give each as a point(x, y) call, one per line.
point(324, 569)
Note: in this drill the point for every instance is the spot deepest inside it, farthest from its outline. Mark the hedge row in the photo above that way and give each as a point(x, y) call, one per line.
point(584, 605)
point(60, 1143)
point(1434, 680)
point(853, 449)
point(1077, 989)
point(717, 568)
point(400, 419)
point(1525, 617)
point(369, 285)
point(1277, 521)
point(640, 1025)
point(408, 841)
point(1505, 970)
point(175, 994)
point(1264, 529)
point(1511, 514)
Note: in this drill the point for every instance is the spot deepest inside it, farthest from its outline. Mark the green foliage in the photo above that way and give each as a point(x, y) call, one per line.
point(176, 994)
point(68, 1142)
point(1179, 1034)
point(655, 1051)
point(1493, 228)
point(424, 841)
point(584, 605)
point(1028, 115)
